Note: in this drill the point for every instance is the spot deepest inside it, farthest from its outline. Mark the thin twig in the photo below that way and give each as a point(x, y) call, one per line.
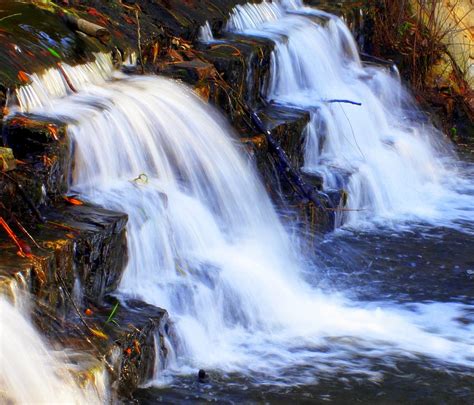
point(83, 321)
point(343, 101)
point(9, 16)
point(24, 230)
point(139, 40)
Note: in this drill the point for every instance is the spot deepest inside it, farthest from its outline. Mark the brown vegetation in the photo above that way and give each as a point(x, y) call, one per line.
point(415, 33)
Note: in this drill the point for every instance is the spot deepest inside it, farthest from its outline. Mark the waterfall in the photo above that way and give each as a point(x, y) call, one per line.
point(30, 371)
point(205, 33)
point(205, 243)
point(375, 144)
point(56, 83)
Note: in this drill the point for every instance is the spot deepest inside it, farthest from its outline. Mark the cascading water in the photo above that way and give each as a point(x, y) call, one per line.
point(206, 244)
point(53, 84)
point(205, 33)
point(389, 161)
point(31, 372)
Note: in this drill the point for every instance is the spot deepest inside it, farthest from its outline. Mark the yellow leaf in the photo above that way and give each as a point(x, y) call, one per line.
point(98, 333)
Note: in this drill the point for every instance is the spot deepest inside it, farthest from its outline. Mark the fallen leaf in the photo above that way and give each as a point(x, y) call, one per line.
point(22, 76)
point(73, 201)
point(98, 333)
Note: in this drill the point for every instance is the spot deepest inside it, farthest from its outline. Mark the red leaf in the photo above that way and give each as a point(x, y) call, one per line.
point(73, 201)
point(22, 76)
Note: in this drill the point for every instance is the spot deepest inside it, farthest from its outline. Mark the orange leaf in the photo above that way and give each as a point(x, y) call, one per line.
point(73, 201)
point(22, 76)
point(54, 131)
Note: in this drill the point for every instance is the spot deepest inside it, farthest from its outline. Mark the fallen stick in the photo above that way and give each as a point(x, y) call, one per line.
point(88, 28)
point(336, 100)
point(309, 192)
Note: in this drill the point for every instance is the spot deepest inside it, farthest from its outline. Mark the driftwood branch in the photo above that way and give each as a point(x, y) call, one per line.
point(88, 28)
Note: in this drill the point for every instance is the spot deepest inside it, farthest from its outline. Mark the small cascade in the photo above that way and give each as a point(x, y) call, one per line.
point(31, 372)
point(55, 83)
point(366, 133)
point(205, 33)
point(251, 16)
point(205, 243)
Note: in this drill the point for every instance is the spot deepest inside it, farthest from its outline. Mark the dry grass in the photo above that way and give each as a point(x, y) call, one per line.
point(421, 36)
point(419, 31)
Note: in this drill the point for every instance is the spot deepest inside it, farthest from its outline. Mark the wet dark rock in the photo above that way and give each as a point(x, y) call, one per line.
point(45, 152)
point(354, 13)
point(35, 38)
point(29, 134)
point(202, 376)
point(79, 261)
point(244, 63)
point(313, 179)
point(191, 72)
point(130, 344)
point(139, 331)
point(76, 244)
point(100, 253)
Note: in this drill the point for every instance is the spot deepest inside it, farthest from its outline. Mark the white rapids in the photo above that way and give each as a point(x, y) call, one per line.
point(205, 243)
point(394, 166)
